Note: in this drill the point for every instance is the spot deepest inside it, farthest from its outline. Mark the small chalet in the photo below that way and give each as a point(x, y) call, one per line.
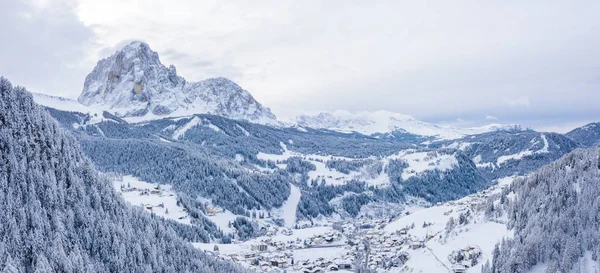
point(259, 247)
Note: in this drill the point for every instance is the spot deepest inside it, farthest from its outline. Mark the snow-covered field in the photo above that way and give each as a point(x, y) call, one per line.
point(69, 105)
point(419, 162)
point(478, 233)
point(331, 176)
point(300, 234)
point(222, 220)
point(160, 200)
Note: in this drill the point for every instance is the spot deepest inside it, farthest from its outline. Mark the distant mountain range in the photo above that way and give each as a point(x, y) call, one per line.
point(384, 122)
point(133, 84)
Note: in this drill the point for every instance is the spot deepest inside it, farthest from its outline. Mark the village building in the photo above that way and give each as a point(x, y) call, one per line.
point(259, 247)
point(417, 244)
point(459, 269)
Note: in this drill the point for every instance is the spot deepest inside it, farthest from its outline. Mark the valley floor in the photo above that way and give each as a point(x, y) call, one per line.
point(418, 240)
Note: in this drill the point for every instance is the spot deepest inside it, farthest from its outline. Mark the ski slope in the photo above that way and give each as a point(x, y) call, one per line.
point(290, 206)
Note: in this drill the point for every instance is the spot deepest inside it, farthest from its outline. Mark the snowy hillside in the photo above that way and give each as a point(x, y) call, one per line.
point(369, 123)
point(586, 136)
point(59, 215)
point(454, 235)
point(505, 153)
point(64, 104)
point(447, 229)
point(158, 199)
point(554, 214)
point(253, 184)
point(134, 84)
point(255, 170)
point(61, 103)
point(415, 163)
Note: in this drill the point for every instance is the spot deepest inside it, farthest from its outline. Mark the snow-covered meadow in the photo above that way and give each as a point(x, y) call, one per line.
point(158, 199)
point(417, 162)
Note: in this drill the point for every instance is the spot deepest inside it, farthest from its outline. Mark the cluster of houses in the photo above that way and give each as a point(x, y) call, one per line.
point(212, 211)
point(324, 239)
point(384, 250)
point(324, 265)
point(269, 255)
point(260, 257)
point(464, 258)
point(156, 190)
point(355, 240)
point(358, 242)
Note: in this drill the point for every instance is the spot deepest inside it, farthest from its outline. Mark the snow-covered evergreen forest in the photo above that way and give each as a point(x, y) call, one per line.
point(52, 187)
point(299, 136)
point(555, 215)
point(59, 215)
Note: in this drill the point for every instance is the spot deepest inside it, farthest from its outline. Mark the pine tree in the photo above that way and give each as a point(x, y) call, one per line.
point(74, 220)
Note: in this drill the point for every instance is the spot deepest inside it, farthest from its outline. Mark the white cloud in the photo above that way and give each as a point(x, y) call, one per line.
point(563, 127)
point(491, 117)
point(429, 60)
point(44, 46)
point(521, 101)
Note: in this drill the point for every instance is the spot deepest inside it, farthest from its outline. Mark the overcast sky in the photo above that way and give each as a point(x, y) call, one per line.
point(536, 63)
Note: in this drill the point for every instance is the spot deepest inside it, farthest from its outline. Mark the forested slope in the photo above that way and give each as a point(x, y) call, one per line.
point(58, 215)
point(555, 215)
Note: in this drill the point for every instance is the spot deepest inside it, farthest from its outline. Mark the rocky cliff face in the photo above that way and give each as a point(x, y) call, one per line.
point(133, 83)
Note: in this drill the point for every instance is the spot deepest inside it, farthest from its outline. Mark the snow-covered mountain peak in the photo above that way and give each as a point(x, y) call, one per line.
point(362, 122)
point(134, 84)
point(369, 123)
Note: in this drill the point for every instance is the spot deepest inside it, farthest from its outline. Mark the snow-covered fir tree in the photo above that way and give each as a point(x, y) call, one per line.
point(555, 215)
point(58, 215)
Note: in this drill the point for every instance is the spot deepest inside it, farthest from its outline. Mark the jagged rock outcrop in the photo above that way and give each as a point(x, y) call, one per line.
point(134, 83)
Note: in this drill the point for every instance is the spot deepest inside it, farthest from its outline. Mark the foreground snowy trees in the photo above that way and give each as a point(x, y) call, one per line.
point(555, 215)
point(57, 215)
